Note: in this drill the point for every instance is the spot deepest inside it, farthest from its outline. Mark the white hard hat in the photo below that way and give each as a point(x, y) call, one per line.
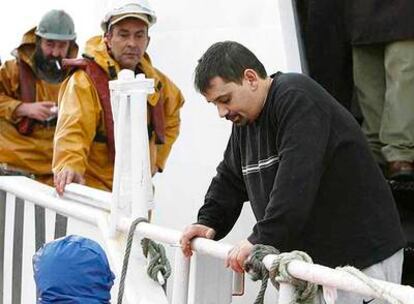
point(126, 9)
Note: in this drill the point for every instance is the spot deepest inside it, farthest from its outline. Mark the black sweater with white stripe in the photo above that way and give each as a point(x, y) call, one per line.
point(312, 182)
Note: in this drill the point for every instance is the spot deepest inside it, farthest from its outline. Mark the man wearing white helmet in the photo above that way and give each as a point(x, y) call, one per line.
point(84, 140)
point(29, 88)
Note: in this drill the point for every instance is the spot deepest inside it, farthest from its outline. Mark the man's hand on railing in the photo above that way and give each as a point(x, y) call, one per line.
point(65, 177)
point(238, 255)
point(193, 231)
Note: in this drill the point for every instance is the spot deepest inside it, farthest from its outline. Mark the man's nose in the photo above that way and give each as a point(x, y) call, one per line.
point(222, 110)
point(132, 42)
point(56, 52)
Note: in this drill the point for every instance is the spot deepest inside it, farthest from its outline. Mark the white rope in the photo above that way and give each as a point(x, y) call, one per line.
point(380, 291)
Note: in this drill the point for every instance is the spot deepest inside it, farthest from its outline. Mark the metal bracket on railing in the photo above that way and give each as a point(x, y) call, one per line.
point(238, 284)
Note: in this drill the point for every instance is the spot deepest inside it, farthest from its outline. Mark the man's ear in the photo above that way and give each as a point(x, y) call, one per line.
point(251, 77)
point(107, 39)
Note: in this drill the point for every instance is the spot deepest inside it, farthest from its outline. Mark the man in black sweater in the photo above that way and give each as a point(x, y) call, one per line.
point(301, 160)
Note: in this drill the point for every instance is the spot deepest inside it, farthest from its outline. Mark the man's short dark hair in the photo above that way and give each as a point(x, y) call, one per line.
point(228, 60)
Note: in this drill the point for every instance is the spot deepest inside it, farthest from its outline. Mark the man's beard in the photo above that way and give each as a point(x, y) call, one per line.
point(237, 119)
point(48, 68)
point(243, 121)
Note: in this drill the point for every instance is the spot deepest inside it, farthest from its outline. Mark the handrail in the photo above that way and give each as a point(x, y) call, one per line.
point(172, 237)
point(46, 197)
point(88, 196)
point(314, 273)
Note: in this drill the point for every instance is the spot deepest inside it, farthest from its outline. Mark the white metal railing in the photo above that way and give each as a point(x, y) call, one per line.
point(41, 195)
point(317, 274)
point(97, 215)
point(32, 192)
point(313, 273)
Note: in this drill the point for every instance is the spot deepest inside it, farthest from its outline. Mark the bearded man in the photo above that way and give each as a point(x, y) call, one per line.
point(29, 87)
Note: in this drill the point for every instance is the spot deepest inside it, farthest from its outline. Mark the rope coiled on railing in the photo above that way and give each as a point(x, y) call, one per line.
point(158, 259)
point(305, 292)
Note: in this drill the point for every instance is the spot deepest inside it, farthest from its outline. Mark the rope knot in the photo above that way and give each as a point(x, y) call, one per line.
point(156, 252)
point(158, 259)
point(304, 291)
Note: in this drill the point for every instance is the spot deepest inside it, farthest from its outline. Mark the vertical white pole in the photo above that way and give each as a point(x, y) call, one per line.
point(181, 278)
point(119, 128)
point(139, 149)
point(141, 184)
point(286, 293)
point(129, 104)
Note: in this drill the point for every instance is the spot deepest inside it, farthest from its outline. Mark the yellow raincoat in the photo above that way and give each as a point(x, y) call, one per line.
point(81, 117)
point(32, 153)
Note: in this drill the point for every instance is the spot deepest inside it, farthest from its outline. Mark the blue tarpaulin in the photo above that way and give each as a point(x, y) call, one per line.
point(72, 270)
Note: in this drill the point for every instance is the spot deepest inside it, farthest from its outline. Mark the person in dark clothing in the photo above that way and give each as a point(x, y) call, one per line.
point(302, 161)
point(327, 47)
point(382, 37)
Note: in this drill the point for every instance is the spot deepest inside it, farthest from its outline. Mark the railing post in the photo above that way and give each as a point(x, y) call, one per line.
point(181, 278)
point(132, 188)
point(286, 293)
point(211, 282)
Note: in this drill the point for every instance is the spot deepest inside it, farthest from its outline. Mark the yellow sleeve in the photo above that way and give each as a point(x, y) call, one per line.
point(173, 101)
point(78, 119)
point(9, 90)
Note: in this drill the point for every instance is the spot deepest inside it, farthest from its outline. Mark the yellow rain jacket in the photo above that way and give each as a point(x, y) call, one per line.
point(31, 153)
point(81, 119)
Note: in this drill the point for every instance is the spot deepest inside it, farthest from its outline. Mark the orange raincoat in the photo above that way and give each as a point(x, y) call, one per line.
point(30, 153)
point(81, 118)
